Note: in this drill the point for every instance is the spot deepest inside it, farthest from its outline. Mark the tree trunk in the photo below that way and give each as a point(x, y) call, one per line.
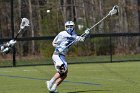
point(101, 16)
point(122, 47)
point(32, 27)
point(133, 25)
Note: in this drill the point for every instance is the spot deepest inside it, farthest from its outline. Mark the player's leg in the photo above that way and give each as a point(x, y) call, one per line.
point(61, 67)
point(59, 80)
point(53, 79)
point(59, 77)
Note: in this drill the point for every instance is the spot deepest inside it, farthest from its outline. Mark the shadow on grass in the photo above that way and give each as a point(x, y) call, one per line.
point(87, 91)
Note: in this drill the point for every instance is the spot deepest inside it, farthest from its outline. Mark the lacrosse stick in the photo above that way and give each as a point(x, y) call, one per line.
point(113, 11)
point(5, 48)
point(24, 23)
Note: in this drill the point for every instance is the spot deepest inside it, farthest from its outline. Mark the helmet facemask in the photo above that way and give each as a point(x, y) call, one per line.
point(69, 27)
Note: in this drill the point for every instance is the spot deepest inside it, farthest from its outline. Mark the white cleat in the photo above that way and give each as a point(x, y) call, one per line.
point(56, 91)
point(49, 88)
point(48, 85)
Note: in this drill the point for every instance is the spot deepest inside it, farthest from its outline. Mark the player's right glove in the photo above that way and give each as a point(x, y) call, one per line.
point(6, 50)
point(11, 43)
point(1, 47)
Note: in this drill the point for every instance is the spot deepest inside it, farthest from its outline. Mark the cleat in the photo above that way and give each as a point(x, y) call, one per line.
point(48, 85)
point(56, 91)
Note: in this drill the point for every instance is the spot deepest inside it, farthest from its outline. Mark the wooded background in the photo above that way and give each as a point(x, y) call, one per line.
point(85, 13)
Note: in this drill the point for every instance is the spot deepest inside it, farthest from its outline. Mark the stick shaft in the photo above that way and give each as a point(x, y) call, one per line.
point(99, 22)
point(18, 34)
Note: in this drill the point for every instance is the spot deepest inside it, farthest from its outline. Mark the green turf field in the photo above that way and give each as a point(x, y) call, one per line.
point(82, 78)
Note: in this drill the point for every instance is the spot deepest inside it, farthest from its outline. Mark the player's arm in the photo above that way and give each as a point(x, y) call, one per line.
point(55, 43)
point(61, 44)
point(57, 40)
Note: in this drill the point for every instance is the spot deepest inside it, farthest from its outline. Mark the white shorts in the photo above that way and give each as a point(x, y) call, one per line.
point(59, 59)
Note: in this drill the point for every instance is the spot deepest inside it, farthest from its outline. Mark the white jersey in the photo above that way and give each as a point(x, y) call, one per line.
point(62, 40)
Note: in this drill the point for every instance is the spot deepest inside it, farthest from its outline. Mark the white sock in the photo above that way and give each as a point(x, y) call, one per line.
point(52, 81)
point(54, 87)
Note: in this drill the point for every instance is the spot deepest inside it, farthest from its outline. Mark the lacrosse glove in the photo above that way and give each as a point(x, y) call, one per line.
point(6, 50)
point(11, 43)
point(87, 31)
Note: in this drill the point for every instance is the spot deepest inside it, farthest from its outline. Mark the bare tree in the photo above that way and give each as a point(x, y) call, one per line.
point(133, 24)
point(32, 27)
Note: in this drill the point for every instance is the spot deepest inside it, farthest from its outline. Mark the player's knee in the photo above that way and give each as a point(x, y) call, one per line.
point(62, 70)
point(63, 74)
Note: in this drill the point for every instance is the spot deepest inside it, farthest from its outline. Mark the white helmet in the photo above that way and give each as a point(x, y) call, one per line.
point(69, 26)
point(69, 23)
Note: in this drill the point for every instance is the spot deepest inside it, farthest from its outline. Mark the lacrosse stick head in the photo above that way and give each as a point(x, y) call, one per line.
point(114, 11)
point(24, 23)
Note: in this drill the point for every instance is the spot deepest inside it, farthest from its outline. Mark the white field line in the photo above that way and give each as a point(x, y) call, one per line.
point(24, 70)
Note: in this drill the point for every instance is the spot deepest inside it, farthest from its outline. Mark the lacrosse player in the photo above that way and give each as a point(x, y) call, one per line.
point(62, 43)
point(5, 48)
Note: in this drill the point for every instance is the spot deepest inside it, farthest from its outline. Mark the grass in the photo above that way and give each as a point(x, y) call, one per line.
point(78, 59)
point(82, 78)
